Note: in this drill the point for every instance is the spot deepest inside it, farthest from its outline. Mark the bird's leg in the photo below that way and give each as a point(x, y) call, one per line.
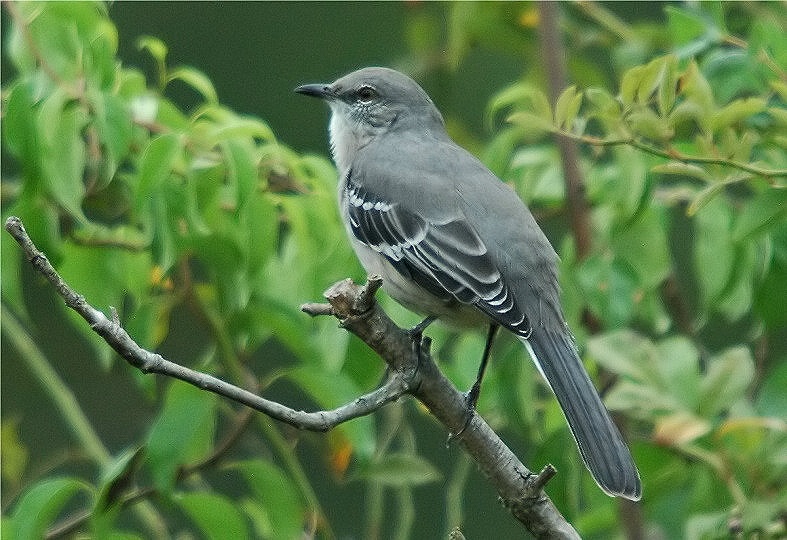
point(475, 390)
point(416, 333)
point(471, 398)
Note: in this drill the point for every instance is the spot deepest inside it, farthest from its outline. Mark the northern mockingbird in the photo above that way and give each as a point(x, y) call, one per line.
point(452, 241)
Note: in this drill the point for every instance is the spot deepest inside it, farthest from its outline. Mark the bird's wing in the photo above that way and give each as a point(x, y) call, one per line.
point(446, 257)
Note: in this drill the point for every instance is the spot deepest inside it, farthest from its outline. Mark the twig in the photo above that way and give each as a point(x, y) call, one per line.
point(675, 155)
point(555, 67)
point(149, 362)
point(354, 306)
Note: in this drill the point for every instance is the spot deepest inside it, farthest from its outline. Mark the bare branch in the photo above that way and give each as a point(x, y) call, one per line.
point(149, 362)
point(410, 373)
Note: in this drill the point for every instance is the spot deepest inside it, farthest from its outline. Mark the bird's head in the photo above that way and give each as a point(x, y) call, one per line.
point(371, 102)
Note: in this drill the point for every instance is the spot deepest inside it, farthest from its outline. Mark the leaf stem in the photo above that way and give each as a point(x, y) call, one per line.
point(674, 154)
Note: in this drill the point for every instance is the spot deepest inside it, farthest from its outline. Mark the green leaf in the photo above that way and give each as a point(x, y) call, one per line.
point(182, 433)
point(630, 83)
point(604, 102)
point(683, 169)
point(707, 525)
point(114, 480)
point(685, 25)
point(114, 126)
point(678, 368)
point(401, 470)
point(525, 98)
point(668, 85)
point(772, 400)
point(242, 170)
point(768, 209)
point(532, 127)
point(197, 80)
point(20, 129)
point(277, 495)
point(714, 255)
point(15, 454)
point(158, 50)
point(567, 107)
point(651, 78)
point(41, 504)
point(726, 380)
point(704, 197)
point(215, 516)
point(646, 123)
point(104, 276)
point(61, 123)
point(737, 111)
point(155, 166)
point(642, 243)
point(698, 92)
point(630, 355)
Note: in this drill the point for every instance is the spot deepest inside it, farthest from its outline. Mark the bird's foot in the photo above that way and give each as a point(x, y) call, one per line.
point(416, 334)
point(471, 398)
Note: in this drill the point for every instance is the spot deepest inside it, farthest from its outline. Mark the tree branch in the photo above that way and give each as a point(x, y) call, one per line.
point(555, 67)
point(411, 368)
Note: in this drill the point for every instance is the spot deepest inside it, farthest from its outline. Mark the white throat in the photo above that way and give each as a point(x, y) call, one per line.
point(347, 137)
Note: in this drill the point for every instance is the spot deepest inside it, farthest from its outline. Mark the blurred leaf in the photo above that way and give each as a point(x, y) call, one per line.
point(691, 30)
point(533, 127)
point(113, 123)
point(61, 123)
point(155, 166)
point(158, 50)
point(651, 78)
point(277, 495)
point(196, 80)
point(623, 352)
point(772, 400)
point(630, 83)
point(603, 102)
point(182, 432)
point(643, 245)
point(401, 470)
point(15, 454)
point(707, 525)
point(41, 504)
point(668, 85)
point(726, 380)
point(20, 130)
point(524, 98)
point(682, 169)
point(215, 516)
point(567, 107)
point(104, 276)
point(679, 428)
point(648, 124)
point(737, 111)
point(332, 390)
point(115, 479)
point(678, 368)
point(698, 92)
point(768, 209)
point(713, 253)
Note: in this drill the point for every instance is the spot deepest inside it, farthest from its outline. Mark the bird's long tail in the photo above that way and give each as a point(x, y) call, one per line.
point(602, 448)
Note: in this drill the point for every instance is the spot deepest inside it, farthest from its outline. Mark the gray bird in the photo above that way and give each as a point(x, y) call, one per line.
point(452, 241)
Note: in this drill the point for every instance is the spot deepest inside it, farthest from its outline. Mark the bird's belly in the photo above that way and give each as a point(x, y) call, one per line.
point(414, 297)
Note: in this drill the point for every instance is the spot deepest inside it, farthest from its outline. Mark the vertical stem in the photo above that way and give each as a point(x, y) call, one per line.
point(555, 68)
point(554, 54)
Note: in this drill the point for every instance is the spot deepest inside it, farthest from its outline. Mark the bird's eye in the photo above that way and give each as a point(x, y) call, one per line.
point(366, 94)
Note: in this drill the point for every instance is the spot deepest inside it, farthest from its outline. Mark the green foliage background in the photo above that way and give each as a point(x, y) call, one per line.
point(206, 231)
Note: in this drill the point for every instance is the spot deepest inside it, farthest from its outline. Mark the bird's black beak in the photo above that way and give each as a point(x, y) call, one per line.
point(322, 91)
